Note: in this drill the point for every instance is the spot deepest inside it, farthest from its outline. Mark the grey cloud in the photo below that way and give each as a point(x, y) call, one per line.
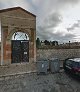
point(43, 8)
point(46, 31)
point(63, 38)
point(3, 5)
point(52, 20)
point(9, 3)
point(43, 34)
point(61, 4)
point(75, 25)
point(64, 3)
point(49, 35)
point(70, 28)
point(69, 1)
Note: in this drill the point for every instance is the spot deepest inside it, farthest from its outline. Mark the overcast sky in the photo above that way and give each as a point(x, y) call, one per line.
point(56, 19)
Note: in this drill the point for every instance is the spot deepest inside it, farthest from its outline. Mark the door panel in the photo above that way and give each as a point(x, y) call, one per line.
point(20, 51)
point(25, 51)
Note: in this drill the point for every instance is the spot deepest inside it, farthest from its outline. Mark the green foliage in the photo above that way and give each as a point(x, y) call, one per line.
point(54, 43)
point(47, 42)
point(38, 43)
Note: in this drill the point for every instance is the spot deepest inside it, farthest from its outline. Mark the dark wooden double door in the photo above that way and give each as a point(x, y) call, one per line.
point(20, 51)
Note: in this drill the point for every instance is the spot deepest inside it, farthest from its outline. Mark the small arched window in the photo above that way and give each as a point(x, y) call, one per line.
point(20, 36)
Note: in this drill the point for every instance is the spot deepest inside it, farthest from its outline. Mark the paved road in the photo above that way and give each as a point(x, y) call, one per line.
point(59, 82)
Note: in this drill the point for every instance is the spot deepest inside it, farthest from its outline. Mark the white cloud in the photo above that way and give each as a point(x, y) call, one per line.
point(14, 3)
point(51, 15)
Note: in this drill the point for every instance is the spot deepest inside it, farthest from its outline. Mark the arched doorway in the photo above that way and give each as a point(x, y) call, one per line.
point(20, 47)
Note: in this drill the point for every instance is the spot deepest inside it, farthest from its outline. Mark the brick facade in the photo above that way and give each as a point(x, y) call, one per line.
point(17, 20)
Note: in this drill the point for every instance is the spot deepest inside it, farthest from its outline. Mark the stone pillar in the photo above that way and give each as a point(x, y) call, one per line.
point(8, 52)
point(4, 33)
point(33, 41)
point(2, 37)
point(34, 45)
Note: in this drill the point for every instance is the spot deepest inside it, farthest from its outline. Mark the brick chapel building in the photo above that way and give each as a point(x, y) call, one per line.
point(12, 22)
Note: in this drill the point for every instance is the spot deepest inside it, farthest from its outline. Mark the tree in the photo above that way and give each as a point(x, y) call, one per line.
point(38, 43)
point(47, 42)
point(69, 43)
point(54, 43)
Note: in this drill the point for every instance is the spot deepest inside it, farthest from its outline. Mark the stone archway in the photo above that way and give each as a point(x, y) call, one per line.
point(8, 36)
point(13, 30)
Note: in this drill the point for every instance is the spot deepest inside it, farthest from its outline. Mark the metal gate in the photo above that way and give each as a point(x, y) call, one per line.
point(20, 51)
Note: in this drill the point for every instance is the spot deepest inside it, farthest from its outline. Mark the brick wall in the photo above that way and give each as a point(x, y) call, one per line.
point(57, 53)
point(41, 53)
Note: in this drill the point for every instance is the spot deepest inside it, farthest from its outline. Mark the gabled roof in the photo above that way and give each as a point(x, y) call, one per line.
point(15, 8)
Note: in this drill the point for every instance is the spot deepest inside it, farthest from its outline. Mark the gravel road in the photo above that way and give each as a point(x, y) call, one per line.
point(58, 82)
